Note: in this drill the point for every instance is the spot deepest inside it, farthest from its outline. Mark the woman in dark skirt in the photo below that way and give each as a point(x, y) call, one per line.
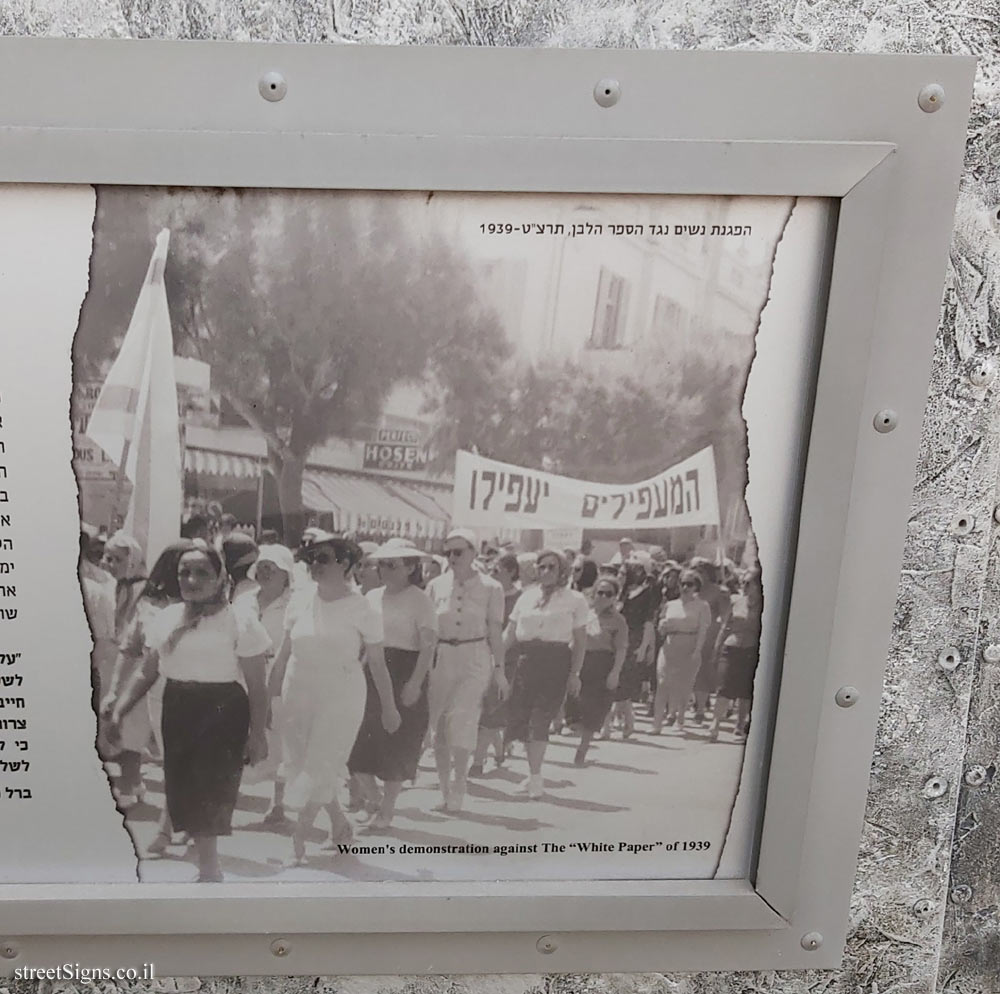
point(591, 696)
point(410, 624)
point(493, 717)
point(637, 605)
point(208, 651)
point(548, 626)
point(740, 651)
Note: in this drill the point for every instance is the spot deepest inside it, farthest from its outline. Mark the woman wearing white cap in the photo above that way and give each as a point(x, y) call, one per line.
point(410, 625)
point(331, 632)
point(274, 572)
point(469, 608)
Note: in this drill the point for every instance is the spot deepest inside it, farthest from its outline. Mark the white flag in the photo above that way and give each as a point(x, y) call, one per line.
point(137, 406)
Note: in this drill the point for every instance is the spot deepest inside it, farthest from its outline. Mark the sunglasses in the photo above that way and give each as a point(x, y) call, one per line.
point(604, 593)
point(454, 553)
point(392, 564)
point(319, 558)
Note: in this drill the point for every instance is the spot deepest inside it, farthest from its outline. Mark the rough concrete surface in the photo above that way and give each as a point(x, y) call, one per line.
point(935, 721)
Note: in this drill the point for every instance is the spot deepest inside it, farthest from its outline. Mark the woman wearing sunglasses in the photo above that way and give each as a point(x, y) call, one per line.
point(331, 631)
point(469, 608)
point(684, 627)
point(548, 625)
point(591, 695)
point(410, 626)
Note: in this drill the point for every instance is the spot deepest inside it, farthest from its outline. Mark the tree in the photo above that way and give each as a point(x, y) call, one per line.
point(311, 307)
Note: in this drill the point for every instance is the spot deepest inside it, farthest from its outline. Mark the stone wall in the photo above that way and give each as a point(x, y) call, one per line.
point(926, 909)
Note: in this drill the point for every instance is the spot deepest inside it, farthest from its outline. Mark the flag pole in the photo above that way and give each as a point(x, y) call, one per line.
point(260, 497)
point(120, 485)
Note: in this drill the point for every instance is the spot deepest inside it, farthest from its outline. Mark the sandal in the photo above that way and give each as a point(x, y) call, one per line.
point(159, 844)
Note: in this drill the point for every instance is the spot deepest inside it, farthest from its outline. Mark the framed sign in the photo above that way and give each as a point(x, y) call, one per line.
point(477, 480)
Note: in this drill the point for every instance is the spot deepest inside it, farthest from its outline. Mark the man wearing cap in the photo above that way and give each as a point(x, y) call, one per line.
point(624, 553)
point(469, 607)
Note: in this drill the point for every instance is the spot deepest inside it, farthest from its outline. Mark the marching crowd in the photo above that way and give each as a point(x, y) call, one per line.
point(331, 669)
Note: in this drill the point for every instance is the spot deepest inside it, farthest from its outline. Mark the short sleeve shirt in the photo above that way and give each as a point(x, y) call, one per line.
point(465, 610)
point(606, 632)
point(403, 615)
point(553, 622)
point(210, 652)
point(336, 630)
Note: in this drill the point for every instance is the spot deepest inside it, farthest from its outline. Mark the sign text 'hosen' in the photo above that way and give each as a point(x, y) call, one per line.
point(490, 493)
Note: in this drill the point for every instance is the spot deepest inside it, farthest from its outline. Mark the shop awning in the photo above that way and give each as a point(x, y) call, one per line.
point(204, 461)
point(369, 505)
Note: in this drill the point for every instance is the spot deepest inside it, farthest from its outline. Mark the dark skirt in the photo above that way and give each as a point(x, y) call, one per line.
point(630, 679)
point(736, 672)
point(591, 708)
point(494, 713)
point(538, 691)
point(205, 727)
point(391, 757)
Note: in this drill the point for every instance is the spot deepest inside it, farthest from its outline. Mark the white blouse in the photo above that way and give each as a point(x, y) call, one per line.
point(211, 651)
point(565, 611)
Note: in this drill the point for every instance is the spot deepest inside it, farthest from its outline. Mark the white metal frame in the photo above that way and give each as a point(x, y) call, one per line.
point(846, 127)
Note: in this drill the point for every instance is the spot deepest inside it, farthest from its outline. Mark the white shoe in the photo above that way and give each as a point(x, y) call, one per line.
point(536, 787)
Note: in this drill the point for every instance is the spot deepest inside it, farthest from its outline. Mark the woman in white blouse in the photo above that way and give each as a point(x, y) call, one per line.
point(409, 622)
point(212, 655)
point(548, 625)
point(331, 631)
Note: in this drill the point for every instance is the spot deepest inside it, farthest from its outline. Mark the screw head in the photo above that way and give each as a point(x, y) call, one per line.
point(975, 776)
point(272, 86)
point(931, 98)
point(992, 653)
point(9, 949)
point(547, 944)
point(935, 787)
point(811, 941)
point(983, 373)
point(963, 523)
point(996, 514)
point(961, 894)
point(885, 421)
point(607, 92)
point(280, 947)
point(948, 659)
point(923, 908)
point(847, 697)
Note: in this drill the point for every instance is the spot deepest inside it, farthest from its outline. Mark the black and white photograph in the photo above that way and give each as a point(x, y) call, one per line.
point(422, 534)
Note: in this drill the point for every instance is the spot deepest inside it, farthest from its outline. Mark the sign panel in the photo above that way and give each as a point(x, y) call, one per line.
point(488, 492)
point(604, 767)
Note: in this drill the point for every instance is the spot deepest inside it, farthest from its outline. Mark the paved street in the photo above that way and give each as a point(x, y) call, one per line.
point(661, 806)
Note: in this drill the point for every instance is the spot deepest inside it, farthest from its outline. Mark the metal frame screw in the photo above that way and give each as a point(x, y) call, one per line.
point(948, 659)
point(847, 697)
point(607, 92)
point(961, 894)
point(923, 908)
point(272, 86)
point(811, 941)
point(975, 776)
point(962, 523)
point(9, 950)
point(280, 947)
point(931, 98)
point(935, 787)
point(885, 421)
point(983, 373)
point(547, 944)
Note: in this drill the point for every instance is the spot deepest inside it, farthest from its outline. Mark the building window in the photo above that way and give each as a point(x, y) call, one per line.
point(668, 315)
point(609, 313)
